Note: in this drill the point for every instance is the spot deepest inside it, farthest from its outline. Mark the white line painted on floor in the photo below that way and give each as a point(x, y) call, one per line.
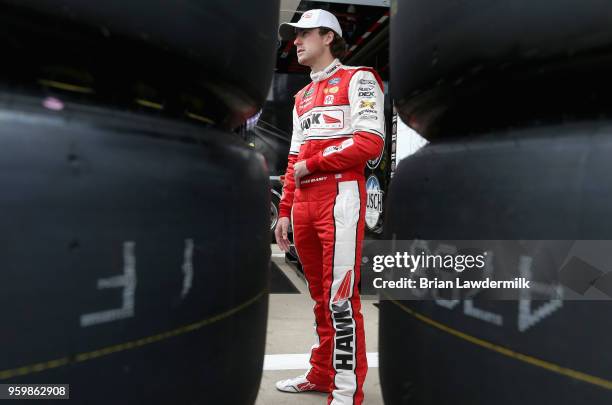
point(300, 361)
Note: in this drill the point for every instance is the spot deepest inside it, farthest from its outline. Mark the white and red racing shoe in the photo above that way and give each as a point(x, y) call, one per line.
point(298, 384)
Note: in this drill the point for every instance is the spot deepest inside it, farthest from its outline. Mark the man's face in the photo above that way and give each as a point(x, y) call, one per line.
point(310, 45)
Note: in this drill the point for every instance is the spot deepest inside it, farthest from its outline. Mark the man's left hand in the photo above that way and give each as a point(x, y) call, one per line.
point(300, 170)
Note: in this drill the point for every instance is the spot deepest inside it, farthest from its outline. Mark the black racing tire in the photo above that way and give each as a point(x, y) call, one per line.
point(274, 207)
point(464, 67)
point(543, 184)
point(177, 55)
point(95, 200)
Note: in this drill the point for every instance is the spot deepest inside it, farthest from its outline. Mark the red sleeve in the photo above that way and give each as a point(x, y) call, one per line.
point(297, 138)
point(355, 151)
point(286, 202)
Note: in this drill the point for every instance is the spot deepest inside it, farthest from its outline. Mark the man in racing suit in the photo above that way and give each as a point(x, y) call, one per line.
point(338, 125)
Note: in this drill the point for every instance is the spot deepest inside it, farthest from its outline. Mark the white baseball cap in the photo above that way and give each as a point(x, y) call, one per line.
point(310, 19)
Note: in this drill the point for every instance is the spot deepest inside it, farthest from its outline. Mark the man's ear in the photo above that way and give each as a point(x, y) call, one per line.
point(329, 38)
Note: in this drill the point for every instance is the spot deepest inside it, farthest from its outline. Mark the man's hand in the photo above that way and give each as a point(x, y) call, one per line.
point(300, 170)
point(280, 233)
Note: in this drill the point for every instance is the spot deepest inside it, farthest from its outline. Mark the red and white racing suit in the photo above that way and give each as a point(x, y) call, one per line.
point(338, 124)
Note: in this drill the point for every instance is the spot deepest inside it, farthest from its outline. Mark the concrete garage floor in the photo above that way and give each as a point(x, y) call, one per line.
point(290, 336)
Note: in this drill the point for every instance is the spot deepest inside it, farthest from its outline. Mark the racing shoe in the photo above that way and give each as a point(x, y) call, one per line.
point(298, 384)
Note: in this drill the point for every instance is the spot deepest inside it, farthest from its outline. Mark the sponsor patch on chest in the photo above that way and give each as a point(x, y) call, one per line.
point(329, 119)
point(367, 104)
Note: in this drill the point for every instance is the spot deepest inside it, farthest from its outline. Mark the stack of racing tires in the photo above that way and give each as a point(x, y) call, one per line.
point(516, 100)
point(133, 265)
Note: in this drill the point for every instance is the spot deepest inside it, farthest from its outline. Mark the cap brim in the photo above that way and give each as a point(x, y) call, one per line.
point(286, 31)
